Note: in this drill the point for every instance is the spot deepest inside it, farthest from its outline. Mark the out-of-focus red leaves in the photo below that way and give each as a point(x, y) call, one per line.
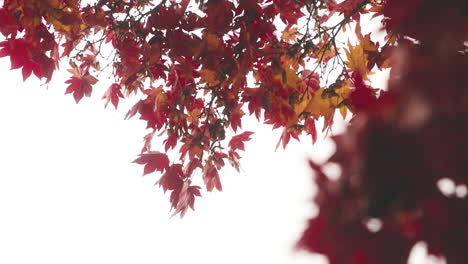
point(363, 98)
point(399, 148)
point(420, 19)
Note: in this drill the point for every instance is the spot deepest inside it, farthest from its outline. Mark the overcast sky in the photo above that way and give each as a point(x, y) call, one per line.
point(70, 194)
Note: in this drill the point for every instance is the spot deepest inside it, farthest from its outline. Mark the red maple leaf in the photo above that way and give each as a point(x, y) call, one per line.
point(46, 65)
point(237, 142)
point(172, 178)
point(153, 161)
point(80, 85)
point(184, 197)
point(233, 158)
point(8, 25)
point(236, 115)
point(192, 165)
point(258, 100)
point(211, 178)
point(148, 140)
point(20, 53)
point(134, 110)
point(170, 142)
point(112, 95)
point(289, 11)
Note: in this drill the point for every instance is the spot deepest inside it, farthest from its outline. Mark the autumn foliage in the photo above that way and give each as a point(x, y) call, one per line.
point(199, 67)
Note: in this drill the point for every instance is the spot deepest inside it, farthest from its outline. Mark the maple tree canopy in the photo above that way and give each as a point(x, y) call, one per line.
point(188, 62)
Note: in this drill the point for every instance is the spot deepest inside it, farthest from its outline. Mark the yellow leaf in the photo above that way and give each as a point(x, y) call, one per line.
point(357, 59)
point(299, 108)
point(343, 111)
point(59, 26)
point(365, 41)
point(292, 80)
point(386, 64)
point(325, 53)
point(320, 106)
point(344, 91)
point(83, 27)
point(376, 8)
point(193, 116)
point(391, 38)
point(290, 35)
point(209, 76)
point(288, 78)
point(292, 61)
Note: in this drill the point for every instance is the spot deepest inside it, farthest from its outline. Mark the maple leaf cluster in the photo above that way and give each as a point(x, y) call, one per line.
point(188, 64)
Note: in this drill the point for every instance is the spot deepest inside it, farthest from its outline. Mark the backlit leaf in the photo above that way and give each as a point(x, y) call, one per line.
point(153, 161)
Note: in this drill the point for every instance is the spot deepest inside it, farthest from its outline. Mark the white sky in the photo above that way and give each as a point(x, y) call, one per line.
point(70, 194)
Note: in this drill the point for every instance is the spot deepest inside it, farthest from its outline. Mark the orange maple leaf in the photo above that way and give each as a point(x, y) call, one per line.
point(357, 60)
point(209, 76)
